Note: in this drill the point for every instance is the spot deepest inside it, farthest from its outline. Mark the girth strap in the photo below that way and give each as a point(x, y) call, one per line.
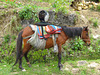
point(43, 33)
point(43, 24)
point(54, 41)
point(27, 37)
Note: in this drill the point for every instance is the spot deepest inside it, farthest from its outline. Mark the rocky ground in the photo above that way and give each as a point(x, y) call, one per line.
point(83, 64)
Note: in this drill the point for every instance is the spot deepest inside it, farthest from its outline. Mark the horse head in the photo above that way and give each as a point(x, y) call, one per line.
point(85, 35)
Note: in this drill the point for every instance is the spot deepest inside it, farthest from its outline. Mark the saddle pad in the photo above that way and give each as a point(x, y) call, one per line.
point(39, 30)
point(53, 29)
point(49, 29)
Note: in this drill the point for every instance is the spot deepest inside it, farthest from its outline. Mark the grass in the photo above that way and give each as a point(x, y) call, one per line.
point(94, 21)
point(37, 68)
point(47, 68)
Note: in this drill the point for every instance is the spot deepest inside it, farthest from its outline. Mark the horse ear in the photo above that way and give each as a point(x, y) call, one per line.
point(85, 28)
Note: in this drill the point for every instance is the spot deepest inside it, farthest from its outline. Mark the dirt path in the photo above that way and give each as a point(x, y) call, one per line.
point(76, 68)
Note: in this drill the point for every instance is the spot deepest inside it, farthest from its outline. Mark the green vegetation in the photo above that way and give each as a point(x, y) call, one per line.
point(75, 49)
point(6, 38)
point(94, 21)
point(48, 68)
point(28, 12)
point(37, 56)
point(60, 5)
point(7, 50)
point(98, 8)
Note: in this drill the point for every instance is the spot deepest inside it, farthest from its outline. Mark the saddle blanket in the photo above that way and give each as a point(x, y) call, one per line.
point(47, 30)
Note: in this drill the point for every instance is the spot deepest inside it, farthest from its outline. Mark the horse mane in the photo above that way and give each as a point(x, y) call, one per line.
point(72, 32)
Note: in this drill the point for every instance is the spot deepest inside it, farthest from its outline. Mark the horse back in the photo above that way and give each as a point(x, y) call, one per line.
point(27, 31)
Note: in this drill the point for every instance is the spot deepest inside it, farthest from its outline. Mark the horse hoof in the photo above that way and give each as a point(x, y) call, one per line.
point(29, 65)
point(60, 67)
point(23, 70)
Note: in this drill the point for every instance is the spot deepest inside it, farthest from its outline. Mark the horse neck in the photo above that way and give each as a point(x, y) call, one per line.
point(72, 32)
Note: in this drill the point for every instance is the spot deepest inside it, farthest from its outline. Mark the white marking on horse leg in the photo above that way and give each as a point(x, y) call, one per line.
point(23, 70)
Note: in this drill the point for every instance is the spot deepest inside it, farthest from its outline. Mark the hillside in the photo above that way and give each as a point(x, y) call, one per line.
point(9, 15)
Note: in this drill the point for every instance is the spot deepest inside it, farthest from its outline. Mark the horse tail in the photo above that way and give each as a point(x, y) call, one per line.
point(19, 46)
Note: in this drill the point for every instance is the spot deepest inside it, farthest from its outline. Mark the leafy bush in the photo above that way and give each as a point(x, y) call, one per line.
point(95, 23)
point(28, 12)
point(7, 52)
point(63, 9)
point(6, 38)
point(60, 5)
point(77, 44)
point(74, 49)
point(37, 55)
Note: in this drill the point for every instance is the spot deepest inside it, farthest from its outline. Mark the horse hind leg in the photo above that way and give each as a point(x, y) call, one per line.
point(27, 60)
point(20, 63)
point(59, 58)
point(26, 48)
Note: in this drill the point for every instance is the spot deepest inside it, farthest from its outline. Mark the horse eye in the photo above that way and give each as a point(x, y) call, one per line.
point(86, 34)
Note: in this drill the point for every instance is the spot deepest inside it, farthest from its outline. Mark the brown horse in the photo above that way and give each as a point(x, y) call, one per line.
point(66, 33)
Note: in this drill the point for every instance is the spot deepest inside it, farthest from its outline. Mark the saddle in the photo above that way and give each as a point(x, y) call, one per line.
point(48, 31)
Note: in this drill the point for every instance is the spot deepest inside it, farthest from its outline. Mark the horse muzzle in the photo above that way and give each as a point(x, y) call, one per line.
point(88, 44)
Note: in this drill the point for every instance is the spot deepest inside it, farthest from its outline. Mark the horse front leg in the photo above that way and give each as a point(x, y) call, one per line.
point(59, 57)
point(26, 49)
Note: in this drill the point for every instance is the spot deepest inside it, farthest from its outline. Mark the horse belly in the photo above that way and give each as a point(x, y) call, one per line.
point(49, 43)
